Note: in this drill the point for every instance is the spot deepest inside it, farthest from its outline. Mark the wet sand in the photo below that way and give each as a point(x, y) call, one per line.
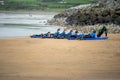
point(59, 59)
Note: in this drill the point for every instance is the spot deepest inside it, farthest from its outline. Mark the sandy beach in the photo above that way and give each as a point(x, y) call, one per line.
point(60, 59)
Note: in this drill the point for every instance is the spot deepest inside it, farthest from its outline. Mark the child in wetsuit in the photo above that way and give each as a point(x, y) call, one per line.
point(74, 36)
point(91, 35)
point(63, 34)
point(57, 33)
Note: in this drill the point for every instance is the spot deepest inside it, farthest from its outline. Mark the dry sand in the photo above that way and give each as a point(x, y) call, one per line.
point(53, 59)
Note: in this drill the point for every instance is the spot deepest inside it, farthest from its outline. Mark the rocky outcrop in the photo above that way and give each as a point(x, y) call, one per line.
point(105, 11)
point(60, 19)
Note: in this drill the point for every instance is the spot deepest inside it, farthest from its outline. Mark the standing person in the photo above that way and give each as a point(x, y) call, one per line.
point(102, 30)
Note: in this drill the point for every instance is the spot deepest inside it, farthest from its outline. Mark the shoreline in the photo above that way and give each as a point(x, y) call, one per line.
point(18, 37)
point(28, 12)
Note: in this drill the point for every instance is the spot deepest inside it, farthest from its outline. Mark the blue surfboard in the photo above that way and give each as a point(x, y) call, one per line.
point(73, 38)
point(97, 38)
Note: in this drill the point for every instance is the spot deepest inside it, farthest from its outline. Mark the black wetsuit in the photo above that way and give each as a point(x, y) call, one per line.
point(104, 29)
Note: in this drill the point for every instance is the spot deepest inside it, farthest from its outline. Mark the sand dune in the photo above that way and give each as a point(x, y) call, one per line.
point(59, 59)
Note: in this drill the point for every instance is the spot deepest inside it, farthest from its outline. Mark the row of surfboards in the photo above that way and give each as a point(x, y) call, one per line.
point(72, 38)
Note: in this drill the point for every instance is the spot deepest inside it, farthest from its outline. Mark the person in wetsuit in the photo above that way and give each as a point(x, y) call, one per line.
point(102, 30)
point(92, 34)
point(63, 34)
point(57, 33)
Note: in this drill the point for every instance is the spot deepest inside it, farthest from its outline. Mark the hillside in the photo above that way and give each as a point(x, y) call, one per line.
point(57, 5)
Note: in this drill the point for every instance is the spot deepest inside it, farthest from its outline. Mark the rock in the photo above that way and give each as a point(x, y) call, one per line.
point(105, 11)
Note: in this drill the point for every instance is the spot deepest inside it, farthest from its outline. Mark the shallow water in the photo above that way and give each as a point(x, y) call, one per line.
point(22, 25)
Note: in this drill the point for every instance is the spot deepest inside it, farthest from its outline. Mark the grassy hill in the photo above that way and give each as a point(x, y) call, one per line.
point(46, 5)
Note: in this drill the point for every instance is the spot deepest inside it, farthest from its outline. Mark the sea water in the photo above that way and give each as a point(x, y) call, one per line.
point(22, 25)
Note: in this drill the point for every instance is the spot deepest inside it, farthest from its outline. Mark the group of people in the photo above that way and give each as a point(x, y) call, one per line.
point(75, 34)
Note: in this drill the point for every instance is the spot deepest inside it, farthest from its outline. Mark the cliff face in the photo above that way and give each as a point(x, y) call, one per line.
point(105, 11)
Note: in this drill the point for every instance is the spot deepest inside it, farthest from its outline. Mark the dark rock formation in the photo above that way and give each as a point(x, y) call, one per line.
point(105, 11)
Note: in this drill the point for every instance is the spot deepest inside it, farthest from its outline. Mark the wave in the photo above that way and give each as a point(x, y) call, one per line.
point(13, 25)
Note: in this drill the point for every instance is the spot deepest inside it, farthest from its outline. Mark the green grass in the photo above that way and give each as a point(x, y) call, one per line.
point(39, 5)
point(21, 0)
point(78, 1)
